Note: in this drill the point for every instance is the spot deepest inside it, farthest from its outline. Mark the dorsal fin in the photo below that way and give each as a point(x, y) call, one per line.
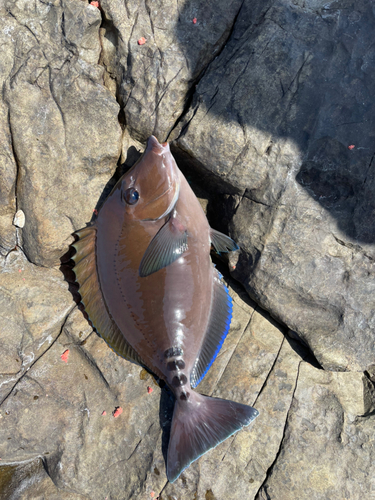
point(92, 298)
point(217, 330)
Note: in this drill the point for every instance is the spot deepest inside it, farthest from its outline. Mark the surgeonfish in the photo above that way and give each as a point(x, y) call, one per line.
point(148, 285)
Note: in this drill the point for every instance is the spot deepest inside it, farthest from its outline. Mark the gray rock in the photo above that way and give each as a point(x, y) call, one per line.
point(57, 106)
point(34, 303)
point(153, 81)
point(54, 412)
point(328, 447)
point(262, 100)
point(8, 168)
point(272, 119)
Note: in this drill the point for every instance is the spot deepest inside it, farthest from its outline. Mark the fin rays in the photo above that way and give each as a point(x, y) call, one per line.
point(217, 330)
point(91, 296)
point(222, 243)
point(166, 247)
point(201, 425)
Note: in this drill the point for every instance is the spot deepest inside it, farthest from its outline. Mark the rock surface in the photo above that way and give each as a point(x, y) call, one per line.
point(263, 102)
point(272, 119)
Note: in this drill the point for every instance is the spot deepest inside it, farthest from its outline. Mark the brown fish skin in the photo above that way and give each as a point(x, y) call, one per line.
point(175, 315)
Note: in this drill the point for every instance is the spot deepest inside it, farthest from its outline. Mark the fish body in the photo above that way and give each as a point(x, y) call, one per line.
point(150, 289)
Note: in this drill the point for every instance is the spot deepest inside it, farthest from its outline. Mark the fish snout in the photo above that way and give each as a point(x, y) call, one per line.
point(154, 145)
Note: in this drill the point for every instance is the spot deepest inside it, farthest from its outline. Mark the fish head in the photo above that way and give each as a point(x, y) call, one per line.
point(150, 189)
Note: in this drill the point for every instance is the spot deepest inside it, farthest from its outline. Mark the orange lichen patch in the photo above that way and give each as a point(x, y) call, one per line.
point(65, 355)
point(117, 411)
point(351, 147)
point(142, 40)
point(149, 389)
point(195, 20)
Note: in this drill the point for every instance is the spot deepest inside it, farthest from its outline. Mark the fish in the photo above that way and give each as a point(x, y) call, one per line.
point(149, 287)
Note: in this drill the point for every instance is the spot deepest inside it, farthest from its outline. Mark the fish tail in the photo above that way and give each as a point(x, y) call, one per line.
point(200, 423)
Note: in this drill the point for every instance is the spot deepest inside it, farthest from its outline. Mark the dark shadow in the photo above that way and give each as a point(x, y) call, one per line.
point(167, 401)
point(305, 74)
point(66, 267)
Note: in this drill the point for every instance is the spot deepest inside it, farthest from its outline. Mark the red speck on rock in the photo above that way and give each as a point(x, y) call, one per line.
point(104, 413)
point(152, 494)
point(65, 355)
point(142, 41)
point(149, 389)
point(195, 20)
point(117, 412)
point(95, 211)
point(95, 4)
point(351, 147)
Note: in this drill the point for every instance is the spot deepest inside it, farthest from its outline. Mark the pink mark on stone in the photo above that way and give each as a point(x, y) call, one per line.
point(149, 389)
point(117, 412)
point(195, 20)
point(104, 413)
point(65, 355)
point(95, 211)
point(351, 147)
point(95, 4)
point(142, 40)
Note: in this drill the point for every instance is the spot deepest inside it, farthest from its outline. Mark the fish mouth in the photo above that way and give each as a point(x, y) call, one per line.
point(176, 186)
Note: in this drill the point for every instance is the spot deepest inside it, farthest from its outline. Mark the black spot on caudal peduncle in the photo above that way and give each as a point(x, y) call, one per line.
point(179, 380)
point(184, 396)
point(178, 364)
point(172, 352)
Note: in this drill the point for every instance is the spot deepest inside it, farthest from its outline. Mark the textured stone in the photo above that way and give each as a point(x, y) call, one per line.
point(57, 106)
point(328, 450)
point(262, 101)
point(272, 119)
point(153, 81)
point(34, 303)
point(55, 411)
point(8, 167)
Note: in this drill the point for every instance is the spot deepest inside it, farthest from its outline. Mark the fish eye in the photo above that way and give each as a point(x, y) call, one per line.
point(131, 196)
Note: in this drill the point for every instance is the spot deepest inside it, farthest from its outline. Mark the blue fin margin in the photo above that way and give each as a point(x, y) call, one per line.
point(217, 331)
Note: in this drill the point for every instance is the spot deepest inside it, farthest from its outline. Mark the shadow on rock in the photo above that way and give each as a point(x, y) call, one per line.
point(289, 73)
point(167, 401)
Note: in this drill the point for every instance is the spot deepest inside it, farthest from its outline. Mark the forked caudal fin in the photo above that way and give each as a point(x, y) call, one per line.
point(199, 424)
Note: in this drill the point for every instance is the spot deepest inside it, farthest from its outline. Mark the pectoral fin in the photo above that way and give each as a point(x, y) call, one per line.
point(167, 246)
point(222, 243)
